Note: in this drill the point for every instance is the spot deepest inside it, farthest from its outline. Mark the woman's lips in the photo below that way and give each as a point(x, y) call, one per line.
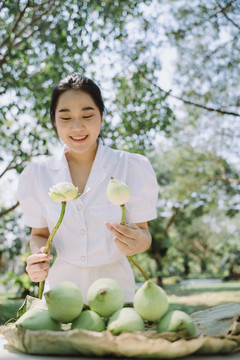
point(79, 139)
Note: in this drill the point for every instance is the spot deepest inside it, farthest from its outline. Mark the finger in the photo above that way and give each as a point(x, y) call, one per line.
point(36, 258)
point(131, 243)
point(39, 277)
point(36, 268)
point(42, 250)
point(123, 238)
point(121, 229)
point(125, 249)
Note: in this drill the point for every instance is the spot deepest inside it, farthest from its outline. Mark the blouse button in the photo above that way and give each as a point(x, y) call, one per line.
point(79, 207)
point(83, 231)
point(83, 258)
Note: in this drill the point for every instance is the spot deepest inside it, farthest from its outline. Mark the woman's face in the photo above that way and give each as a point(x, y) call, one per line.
point(78, 121)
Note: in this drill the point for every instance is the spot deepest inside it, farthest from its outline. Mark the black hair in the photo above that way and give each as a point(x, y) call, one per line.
point(75, 82)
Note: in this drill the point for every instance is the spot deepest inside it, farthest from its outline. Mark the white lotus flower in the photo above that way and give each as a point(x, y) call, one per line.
point(64, 191)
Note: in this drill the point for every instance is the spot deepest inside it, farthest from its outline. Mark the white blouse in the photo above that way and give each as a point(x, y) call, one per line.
point(82, 237)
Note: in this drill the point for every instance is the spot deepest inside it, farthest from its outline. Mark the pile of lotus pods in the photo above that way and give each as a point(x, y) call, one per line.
point(106, 310)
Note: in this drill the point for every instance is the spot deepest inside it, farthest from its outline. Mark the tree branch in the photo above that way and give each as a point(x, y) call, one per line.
point(5, 211)
point(170, 221)
point(3, 4)
point(7, 168)
point(11, 167)
point(34, 19)
point(223, 112)
point(12, 31)
point(199, 246)
point(220, 111)
point(223, 170)
point(226, 16)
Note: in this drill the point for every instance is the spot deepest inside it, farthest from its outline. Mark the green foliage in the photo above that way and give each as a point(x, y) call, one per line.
point(41, 42)
point(23, 284)
point(206, 36)
point(119, 44)
point(144, 111)
point(8, 309)
point(192, 233)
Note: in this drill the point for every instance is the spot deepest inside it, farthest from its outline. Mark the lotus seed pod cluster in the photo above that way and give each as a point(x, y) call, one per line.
point(118, 193)
point(63, 191)
point(176, 320)
point(64, 301)
point(150, 301)
point(38, 319)
point(125, 320)
point(105, 310)
point(105, 296)
point(89, 320)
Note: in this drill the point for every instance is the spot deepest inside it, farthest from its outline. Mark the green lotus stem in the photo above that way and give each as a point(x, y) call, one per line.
point(123, 214)
point(49, 242)
point(130, 257)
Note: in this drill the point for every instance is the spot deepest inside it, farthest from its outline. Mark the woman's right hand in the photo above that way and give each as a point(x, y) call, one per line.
point(38, 265)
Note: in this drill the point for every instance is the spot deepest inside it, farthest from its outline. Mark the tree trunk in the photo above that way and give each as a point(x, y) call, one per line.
point(203, 265)
point(186, 264)
point(157, 258)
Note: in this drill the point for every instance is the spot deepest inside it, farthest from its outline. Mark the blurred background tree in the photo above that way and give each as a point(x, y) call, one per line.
point(188, 128)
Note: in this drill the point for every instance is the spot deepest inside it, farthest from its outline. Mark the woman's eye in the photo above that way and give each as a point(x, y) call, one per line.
point(66, 118)
point(87, 117)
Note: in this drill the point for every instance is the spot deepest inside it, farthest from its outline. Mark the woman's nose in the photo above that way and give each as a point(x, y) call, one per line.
point(78, 124)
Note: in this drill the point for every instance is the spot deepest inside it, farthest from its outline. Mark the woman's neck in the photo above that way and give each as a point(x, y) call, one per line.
point(82, 159)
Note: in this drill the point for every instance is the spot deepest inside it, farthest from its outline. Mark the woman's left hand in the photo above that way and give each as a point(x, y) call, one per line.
point(130, 239)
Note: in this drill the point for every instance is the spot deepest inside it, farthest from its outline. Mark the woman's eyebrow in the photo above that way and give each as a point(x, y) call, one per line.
point(63, 110)
point(88, 108)
point(84, 109)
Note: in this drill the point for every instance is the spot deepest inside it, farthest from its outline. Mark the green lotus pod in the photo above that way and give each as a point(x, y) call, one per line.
point(176, 320)
point(89, 320)
point(118, 193)
point(150, 301)
point(35, 319)
point(105, 296)
point(64, 302)
point(125, 320)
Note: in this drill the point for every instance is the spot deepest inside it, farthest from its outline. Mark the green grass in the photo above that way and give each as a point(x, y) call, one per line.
point(191, 298)
point(8, 309)
point(188, 298)
point(9, 305)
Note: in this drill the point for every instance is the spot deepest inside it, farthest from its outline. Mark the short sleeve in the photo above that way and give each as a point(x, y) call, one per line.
point(29, 196)
point(143, 185)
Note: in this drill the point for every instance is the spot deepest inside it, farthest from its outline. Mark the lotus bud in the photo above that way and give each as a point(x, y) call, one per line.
point(125, 320)
point(64, 302)
point(64, 191)
point(118, 193)
point(35, 319)
point(150, 301)
point(89, 320)
point(176, 320)
point(105, 296)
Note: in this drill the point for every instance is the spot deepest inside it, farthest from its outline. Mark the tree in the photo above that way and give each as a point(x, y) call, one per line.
point(194, 190)
point(42, 41)
point(206, 35)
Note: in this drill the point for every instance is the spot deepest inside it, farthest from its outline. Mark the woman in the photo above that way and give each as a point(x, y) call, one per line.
point(90, 243)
